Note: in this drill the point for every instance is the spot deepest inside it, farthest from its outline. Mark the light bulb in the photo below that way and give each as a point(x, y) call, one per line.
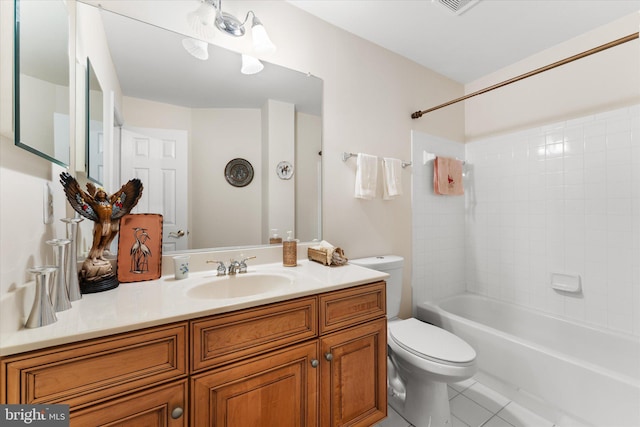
point(250, 65)
point(261, 41)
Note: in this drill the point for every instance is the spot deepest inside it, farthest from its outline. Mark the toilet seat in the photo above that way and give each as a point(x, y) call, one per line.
point(431, 343)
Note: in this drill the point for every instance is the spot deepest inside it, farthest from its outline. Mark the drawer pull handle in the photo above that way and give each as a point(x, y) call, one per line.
point(176, 413)
point(328, 356)
point(314, 363)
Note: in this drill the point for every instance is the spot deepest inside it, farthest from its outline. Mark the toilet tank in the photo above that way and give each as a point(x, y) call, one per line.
point(392, 265)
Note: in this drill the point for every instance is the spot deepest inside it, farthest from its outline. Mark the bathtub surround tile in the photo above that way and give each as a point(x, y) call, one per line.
point(574, 208)
point(439, 235)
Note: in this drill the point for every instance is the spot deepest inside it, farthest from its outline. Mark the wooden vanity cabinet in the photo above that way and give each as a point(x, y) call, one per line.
point(353, 347)
point(308, 362)
point(278, 389)
point(226, 338)
point(163, 405)
point(91, 372)
point(335, 377)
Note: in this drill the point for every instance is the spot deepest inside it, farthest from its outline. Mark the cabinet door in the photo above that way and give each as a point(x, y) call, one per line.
point(89, 372)
point(161, 406)
point(354, 376)
point(278, 389)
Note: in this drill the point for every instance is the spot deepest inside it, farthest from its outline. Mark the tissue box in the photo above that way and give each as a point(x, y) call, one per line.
point(317, 256)
point(320, 255)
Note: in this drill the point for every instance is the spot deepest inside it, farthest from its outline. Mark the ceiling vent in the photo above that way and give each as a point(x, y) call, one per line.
point(457, 7)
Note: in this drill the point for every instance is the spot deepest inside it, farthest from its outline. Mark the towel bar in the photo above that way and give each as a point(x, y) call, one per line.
point(426, 156)
point(346, 156)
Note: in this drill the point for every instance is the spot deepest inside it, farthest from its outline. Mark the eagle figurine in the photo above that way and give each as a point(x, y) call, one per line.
point(104, 210)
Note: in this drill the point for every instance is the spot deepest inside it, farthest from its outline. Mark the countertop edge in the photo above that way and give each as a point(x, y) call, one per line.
point(42, 340)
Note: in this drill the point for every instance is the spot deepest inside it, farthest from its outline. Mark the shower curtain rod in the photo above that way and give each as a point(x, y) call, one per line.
point(564, 61)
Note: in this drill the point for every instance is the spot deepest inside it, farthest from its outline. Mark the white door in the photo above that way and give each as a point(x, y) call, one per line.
point(158, 157)
point(96, 151)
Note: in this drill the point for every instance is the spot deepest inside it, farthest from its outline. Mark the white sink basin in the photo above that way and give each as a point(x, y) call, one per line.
point(241, 285)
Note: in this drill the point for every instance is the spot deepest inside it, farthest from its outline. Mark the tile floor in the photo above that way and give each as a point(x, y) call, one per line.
point(473, 405)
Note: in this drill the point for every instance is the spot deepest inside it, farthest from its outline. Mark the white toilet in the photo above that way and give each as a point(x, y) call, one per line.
point(421, 358)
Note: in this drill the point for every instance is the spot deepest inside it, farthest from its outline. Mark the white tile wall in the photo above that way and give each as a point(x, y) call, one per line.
point(563, 197)
point(559, 198)
point(438, 225)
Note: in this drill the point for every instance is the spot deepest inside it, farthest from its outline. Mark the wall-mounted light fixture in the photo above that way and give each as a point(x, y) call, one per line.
point(197, 48)
point(251, 65)
point(209, 15)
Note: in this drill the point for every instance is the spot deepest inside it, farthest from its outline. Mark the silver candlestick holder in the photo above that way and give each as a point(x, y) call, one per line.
point(73, 285)
point(42, 312)
point(58, 290)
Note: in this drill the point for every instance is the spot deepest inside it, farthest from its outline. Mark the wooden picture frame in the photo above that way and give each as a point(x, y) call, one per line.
point(140, 248)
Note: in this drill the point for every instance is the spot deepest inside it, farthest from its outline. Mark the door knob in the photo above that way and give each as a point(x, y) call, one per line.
point(177, 234)
point(314, 363)
point(328, 356)
point(176, 413)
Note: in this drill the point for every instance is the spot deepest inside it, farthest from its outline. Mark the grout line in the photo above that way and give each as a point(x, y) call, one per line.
point(460, 421)
point(488, 409)
point(496, 416)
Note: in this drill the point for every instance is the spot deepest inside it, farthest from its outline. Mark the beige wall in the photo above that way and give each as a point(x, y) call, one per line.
point(308, 159)
point(241, 133)
point(599, 82)
point(231, 215)
point(369, 94)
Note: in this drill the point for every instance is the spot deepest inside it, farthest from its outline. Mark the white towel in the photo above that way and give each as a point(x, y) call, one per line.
point(392, 177)
point(366, 176)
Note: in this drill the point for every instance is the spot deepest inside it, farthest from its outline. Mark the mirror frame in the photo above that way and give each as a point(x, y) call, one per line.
point(17, 104)
point(90, 113)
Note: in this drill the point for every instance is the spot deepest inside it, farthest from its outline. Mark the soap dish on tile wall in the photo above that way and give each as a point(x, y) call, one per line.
point(566, 282)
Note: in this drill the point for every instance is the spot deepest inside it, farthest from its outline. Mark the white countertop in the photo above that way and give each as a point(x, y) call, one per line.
point(133, 306)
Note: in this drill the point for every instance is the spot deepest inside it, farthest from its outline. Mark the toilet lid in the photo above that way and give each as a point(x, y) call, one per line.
point(431, 342)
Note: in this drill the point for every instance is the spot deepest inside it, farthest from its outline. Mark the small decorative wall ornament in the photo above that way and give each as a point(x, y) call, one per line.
point(284, 170)
point(238, 172)
point(140, 248)
point(96, 274)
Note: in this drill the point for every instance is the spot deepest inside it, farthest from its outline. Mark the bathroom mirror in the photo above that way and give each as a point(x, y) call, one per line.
point(95, 127)
point(41, 110)
point(224, 114)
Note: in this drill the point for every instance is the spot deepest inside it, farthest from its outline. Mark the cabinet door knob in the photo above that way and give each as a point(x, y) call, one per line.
point(176, 413)
point(328, 356)
point(314, 363)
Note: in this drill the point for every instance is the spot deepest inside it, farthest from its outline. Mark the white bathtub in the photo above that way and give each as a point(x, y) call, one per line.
point(572, 373)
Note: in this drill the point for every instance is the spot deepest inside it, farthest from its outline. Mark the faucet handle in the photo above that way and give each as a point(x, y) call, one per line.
point(243, 264)
point(221, 270)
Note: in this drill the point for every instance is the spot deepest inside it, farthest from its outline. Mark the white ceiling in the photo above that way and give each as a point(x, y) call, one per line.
point(488, 36)
point(170, 75)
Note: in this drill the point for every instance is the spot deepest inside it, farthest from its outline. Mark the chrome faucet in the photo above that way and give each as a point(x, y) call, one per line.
point(234, 266)
point(221, 270)
point(243, 264)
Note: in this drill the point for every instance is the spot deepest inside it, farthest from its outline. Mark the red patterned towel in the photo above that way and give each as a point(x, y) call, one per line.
point(447, 176)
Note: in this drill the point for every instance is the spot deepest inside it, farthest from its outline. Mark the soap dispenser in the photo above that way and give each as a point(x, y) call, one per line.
point(290, 251)
point(274, 239)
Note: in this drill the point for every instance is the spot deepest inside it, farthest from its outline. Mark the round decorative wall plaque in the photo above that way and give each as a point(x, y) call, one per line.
point(284, 170)
point(238, 172)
